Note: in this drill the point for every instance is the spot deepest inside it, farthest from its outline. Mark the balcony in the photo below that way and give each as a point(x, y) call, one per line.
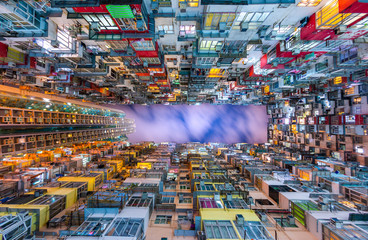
point(187, 37)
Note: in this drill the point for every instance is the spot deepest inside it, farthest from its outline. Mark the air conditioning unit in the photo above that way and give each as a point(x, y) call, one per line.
point(218, 48)
point(140, 25)
point(229, 197)
point(336, 222)
point(264, 49)
point(304, 22)
point(341, 30)
point(216, 196)
point(95, 27)
point(55, 43)
point(183, 7)
point(222, 26)
point(291, 220)
point(161, 33)
point(262, 33)
point(263, 216)
point(239, 219)
point(154, 5)
point(244, 26)
point(130, 51)
point(322, 206)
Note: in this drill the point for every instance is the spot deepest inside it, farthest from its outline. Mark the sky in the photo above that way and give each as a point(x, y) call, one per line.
point(198, 123)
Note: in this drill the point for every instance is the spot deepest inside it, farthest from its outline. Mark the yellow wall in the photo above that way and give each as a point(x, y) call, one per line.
point(89, 180)
point(227, 214)
point(44, 211)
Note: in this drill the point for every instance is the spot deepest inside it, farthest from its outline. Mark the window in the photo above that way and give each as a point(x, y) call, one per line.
point(253, 18)
point(205, 187)
point(253, 230)
point(182, 218)
point(357, 100)
point(350, 91)
point(168, 29)
point(167, 200)
point(184, 187)
point(104, 21)
point(64, 39)
point(127, 23)
point(188, 3)
point(213, 20)
point(151, 60)
point(282, 29)
point(143, 45)
point(209, 203)
point(185, 200)
point(219, 229)
point(187, 30)
point(163, 219)
point(118, 45)
point(206, 60)
point(171, 59)
point(169, 47)
point(171, 186)
point(210, 45)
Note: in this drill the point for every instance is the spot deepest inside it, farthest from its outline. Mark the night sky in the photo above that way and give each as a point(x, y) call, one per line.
point(198, 123)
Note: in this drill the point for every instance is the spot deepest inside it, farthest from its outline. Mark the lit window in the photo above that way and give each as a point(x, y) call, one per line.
point(216, 72)
point(188, 3)
point(329, 16)
point(210, 45)
point(357, 100)
point(253, 18)
point(309, 3)
point(187, 30)
point(213, 20)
